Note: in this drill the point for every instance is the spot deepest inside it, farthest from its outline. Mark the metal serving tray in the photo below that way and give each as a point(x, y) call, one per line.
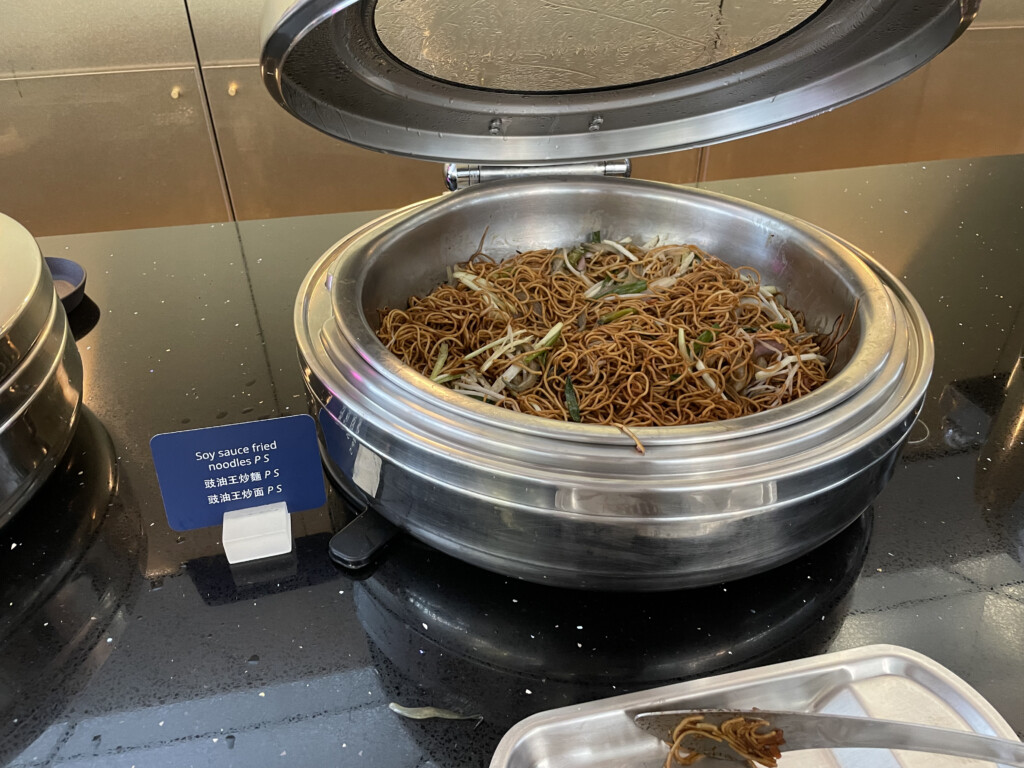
point(883, 681)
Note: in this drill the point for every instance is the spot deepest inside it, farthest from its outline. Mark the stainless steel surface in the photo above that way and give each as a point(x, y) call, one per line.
point(532, 45)
point(573, 504)
point(39, 408)
point(324, 62)
point(880, 681)
point(108, 151)
point(47, 37)
point(806, 731)
point(459, 175)
point(26, 295)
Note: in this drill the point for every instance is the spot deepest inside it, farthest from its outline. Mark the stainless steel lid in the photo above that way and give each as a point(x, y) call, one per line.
point(533, 82)
point(26, 294)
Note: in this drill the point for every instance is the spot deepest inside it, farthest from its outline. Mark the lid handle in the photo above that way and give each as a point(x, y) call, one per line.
point(459, 175)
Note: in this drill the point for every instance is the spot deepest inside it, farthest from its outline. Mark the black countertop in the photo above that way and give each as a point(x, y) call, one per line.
point(124, 643)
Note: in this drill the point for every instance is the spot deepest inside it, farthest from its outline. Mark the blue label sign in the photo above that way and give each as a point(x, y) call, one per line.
point(204, 473)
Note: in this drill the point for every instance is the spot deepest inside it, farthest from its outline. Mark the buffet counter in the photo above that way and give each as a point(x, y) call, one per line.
point(124, 642)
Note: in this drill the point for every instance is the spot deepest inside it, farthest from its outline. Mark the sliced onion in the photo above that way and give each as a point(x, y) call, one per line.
point(624, 251)
point(523, 384)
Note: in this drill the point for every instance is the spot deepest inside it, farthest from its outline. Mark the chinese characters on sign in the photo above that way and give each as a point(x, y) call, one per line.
point(245, 477)
point(261, 482)
point(204, 473)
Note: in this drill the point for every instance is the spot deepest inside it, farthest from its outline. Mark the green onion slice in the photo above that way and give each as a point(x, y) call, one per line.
point(620, 289)
point(618, 314)
point(571, 401)
point(442, 356)
point(706, 337)
point(549, 340)
point(682, 345)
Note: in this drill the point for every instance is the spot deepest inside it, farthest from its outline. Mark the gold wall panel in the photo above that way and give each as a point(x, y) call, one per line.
point(278, 166)
point(974, 98)
point(48, 36)
point(107, 151)
point(1000, 13)
point(227, 31)
point(674, 167)
point(967, 102)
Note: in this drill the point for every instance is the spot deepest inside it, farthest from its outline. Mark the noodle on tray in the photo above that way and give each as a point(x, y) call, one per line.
point(754, 740)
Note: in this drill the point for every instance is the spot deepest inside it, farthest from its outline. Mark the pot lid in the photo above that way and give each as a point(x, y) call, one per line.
point(519, 82)
point(26, 295)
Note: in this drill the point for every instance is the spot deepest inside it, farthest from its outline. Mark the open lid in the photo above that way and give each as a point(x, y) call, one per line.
point(543, 81)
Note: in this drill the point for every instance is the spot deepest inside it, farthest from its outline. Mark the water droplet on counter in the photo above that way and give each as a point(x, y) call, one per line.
point(253, 660)
point(230, 741)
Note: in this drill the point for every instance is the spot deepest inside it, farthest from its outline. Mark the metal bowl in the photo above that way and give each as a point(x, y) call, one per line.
point(26, 294)
point(39, 407)
point(41, 385)
point(574, 504)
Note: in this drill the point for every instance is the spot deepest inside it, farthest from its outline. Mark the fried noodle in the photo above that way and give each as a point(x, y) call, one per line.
point(611, 333)
point(742, 734)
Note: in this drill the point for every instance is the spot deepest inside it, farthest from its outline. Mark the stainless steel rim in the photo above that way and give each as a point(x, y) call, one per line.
point(610, 465)
point(26, 295)
point(39, 412)
point(24, 384)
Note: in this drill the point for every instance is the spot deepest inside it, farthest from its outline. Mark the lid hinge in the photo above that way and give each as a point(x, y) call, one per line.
point(459, 175)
